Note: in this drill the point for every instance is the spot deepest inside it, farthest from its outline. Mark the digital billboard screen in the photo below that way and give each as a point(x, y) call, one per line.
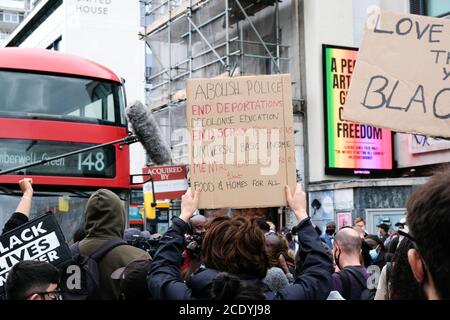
point(350, 148)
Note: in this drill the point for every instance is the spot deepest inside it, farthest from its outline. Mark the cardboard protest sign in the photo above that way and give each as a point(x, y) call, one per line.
point(241, 146)
point(40, 239)
point(402, 75)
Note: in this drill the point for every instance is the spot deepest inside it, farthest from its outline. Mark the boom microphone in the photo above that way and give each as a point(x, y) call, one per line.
point(147, 131)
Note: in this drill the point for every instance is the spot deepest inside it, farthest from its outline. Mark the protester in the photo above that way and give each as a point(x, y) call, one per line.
point(237, 246)
point(366, 259)
point(298, 261)
point(278, 276)
point(198, 224)
point(130, 234)
point(290, 241)
point(396, 237)
point(403, 285)
point(428, 220)
point(192, 259)
point(351, 280)
point(377, 251)
point(33, 280)
point(392, 246)
point(383, 232)
point(132, 280)
point(396, 280)
point(278, 253)
point(294, 233)
point(330, 230)
point(105, 220)
point(402, 229)
point(361, 223)
point(402, 225)
point(287, 257)
point(22, 213)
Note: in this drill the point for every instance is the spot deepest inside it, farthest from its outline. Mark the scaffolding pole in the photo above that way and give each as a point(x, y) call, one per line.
point(186, 67)
point(207, 42)
point(257, 34)
point(277, 34)
point(227, 37)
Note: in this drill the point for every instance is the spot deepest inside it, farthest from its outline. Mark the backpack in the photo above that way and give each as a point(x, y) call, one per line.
point(81, 279)
point(366, 294)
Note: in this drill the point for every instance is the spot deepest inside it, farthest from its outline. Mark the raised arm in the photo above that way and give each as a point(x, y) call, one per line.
point(164, 280)
point(24, 206)
point(313, 282)
point(22, 213)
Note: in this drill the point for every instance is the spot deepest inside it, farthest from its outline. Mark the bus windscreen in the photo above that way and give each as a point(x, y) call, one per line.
point(60, 97)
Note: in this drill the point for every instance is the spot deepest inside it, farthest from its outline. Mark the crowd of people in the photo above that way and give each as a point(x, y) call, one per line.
point(244, 257)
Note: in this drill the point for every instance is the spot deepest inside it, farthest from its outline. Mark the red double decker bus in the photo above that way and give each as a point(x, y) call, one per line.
point(52, 103)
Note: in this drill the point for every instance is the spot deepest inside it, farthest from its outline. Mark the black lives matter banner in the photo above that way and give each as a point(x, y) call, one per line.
point(40, 239)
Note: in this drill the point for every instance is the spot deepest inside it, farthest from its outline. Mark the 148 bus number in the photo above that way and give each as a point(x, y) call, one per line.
point(91, 160)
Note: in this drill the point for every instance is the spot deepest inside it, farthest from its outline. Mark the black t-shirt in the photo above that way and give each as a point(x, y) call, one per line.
point(16, 220)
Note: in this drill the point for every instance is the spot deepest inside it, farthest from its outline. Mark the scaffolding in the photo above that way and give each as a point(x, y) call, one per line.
point(205, 39)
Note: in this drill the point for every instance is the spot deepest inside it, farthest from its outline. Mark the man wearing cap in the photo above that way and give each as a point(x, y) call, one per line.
point(383, 230)
point(402, 225)
point(402, 229)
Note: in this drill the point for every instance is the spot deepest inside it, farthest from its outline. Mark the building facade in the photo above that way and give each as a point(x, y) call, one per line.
point(219, 38)
point(342, 198)
point(12, 13)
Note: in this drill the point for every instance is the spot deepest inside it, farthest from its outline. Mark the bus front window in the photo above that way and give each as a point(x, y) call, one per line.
point(42, 96)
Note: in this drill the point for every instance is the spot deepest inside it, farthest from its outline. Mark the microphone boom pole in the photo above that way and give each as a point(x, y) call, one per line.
point(127, 140)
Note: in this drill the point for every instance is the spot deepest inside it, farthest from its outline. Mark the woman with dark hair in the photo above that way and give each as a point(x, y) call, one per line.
point(276, 246)
point(278, 276)
point(397, 281)
point(225, 248)
point(236, 246)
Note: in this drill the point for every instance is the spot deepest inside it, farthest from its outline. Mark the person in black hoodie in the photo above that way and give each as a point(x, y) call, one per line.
point(104, 221)
point(243, 256)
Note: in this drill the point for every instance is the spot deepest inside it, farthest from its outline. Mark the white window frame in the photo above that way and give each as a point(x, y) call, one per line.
point(8, 17)
point(371, 212)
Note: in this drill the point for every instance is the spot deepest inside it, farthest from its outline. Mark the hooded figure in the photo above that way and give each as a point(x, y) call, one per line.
point(105, 220)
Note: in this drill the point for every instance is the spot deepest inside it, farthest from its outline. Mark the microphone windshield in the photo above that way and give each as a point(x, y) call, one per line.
point(146, 129)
